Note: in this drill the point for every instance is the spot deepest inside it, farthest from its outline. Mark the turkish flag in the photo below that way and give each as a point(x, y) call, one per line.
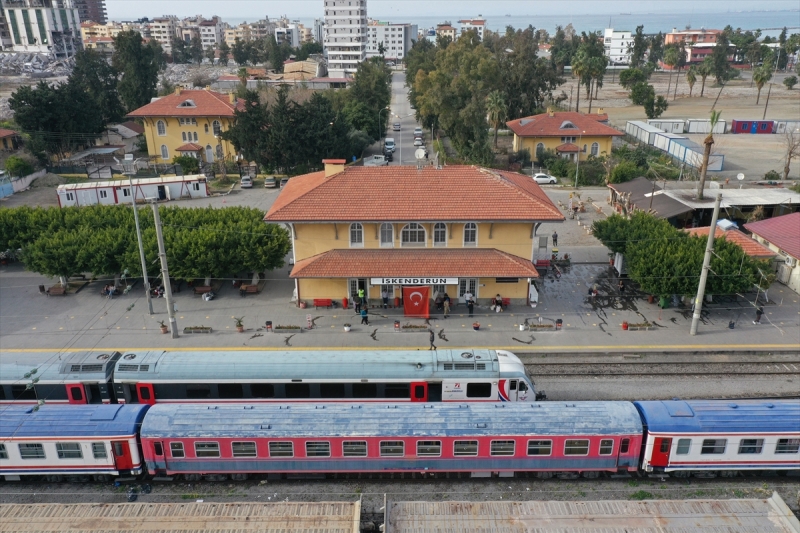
point(415, 302)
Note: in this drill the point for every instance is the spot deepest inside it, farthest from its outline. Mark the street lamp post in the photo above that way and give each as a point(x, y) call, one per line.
point(578, 163)
point(380, 133)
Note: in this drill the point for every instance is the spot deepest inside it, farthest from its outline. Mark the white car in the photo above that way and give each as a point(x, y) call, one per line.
point(417, 132)
point(417, 142)
point(545, 179)
point(247, 182)
point(389, 144)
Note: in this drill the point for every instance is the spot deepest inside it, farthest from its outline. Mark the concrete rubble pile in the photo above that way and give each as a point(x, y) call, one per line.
point(185, 75)
point(34, 65)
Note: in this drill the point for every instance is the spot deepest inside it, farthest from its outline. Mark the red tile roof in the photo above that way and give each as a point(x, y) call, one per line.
point(206, 104)
point(783, 232)
point(7, 133)
point(546, 126)
point(414, 262)
point(750, 246)
point(567, 147)
point(403, 193)
point(189, 147)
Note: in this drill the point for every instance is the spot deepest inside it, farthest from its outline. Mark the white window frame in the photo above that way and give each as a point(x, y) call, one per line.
point(429, 448)
point(413, 228)
point(608, 444)
point(359, 228)
point(595, 149)
point(99, 450)
point(126, 192)
point(248, 450)
point(69, 450)
point(207, 449)
point(390, 228)
point(183, 135)
point(103, 194)
point(216, 128)
point(161, 128)
point(469, 226)
point(539, 149)
point(540, 445)
point(354, 448)
point(318, 448)
point(500, 448)
point(465, 284)
point(389, 290)
point(195, 186)
point(683, 447)
point(438, 228)
point(576, 444)
point(195, 136)
point(282, 449)
point(3, 451)
point(36, 447)
point(70, 197)
point(164, 152)
point(387, 446)
point(177, 447)
point(746, 444)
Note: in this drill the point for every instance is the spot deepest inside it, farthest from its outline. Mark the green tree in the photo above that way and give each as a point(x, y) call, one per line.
point(641, 93)
point(224, 52)
point(630, 77)
point(17, 166)
point(580, 66)
point(210, 54)
point(719, 59)
point(708, 142)
point(196, 49)
point(98, 79)
point(381, 49)
point(188, 164)
point(671, 60)
point(656, 49)
point(761, 76)
point(624, 171)
point(654, 107)
point(496, 108)
point(180, 52)
point(240, 53)
point(705, 69)
point(638, 48)
point(691, 78)
point(139, 66)
point(790, 82)
point(248, 134)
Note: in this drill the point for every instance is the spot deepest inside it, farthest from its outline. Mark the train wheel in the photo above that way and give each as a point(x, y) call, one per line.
point(54, 478)
point(590, 475)
point(192, 477)
point(711, 474)
point(217, 477)
point(102, 478)
point(729, 473)
point(567, 475)
point(680, 474)
point(239, 477)
point(544, 475)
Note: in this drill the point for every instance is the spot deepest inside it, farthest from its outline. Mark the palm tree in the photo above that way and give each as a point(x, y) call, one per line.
point(381, 49)
point(708, 141)
point(670, 59)
point(705, 69)
point(595, 70)
point(496, 108)
point(242, 74)
point(761, 76)
point(691, 78)
point(580, 62)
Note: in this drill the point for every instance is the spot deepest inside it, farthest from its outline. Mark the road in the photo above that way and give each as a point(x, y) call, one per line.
point(400, 111)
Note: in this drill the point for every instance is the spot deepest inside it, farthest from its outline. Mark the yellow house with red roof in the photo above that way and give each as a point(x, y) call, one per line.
point(188, 122)
point(570, 134)
point(455, 229)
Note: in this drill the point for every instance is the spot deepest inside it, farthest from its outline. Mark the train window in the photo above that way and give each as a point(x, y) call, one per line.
point(665, 443)
point(69, 450)
point(176, 448)
point(392, 448)
point(429, 448)
point(318, 449)
point(230, 390)
point(281, 449)
point(365, 390)
point(419, 391)
point(158, 449)
point(748, 446)
point(298, 390)
point(683, 446)
point(2, 392)
point(463, 448)
point(199, 390)
point(31, 451)
point(244, 449)
point(3, 452)
point(713, 446)
point(206, 449)
point(99, 450)
point(397, 390)
point(540, 447)
point(523, 386)
point(787, 446)
point(479, 390)
point(355, 448)
point(624, 445)
point(21, 392)
point(77, 393)
point(262, 390)
point(502, 447)
point(576, 447)
point(331, 390)
point(606, 447)
point(145, 393)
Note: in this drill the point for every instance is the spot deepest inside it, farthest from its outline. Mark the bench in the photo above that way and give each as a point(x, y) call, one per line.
point(202, 289)
point(248, 289)
point(323, 302)
point(56, 291)
point(506, 302)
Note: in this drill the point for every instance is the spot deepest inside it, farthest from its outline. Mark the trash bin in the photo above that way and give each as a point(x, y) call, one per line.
point(344, 302)
point(397, 325)
point(558, 323)
point(396, 302)
point(268, 325)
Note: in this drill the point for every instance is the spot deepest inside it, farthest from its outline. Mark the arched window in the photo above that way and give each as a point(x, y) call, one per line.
point(470, 234)
point(161, 127)
point(595, 149)
point(439, 234)
point(387, 235)
point(206, 128)
point(209, 154)
point(183, 136)
point(164, 152)
point(413, 235)
point(195, 135)
point(356, 235)
point(217, 127)
point(539, 149)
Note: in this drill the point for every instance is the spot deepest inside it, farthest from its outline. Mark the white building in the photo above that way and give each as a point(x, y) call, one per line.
point(211, 32)
point(397, 39)
point(163, 29)
point(288, 34)
point(319, 30)
point(119, 192)
point(616, 45)
point(52, 30)
point(477, 24)
point(345, 39)
point(5, 35)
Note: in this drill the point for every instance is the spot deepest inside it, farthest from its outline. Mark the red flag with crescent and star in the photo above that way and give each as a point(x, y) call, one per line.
point(415, 302)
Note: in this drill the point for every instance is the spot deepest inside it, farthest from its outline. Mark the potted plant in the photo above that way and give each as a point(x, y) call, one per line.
point(239, 324)
point(347, 327)
point(476, 326)
point(163, 326)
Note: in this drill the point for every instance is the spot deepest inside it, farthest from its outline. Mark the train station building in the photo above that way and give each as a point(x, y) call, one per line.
point(413, 231)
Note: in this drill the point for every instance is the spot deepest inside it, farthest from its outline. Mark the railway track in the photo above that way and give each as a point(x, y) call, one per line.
point(651, 369)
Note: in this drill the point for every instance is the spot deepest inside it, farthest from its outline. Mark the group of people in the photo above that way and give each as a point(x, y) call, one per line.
point(157, 292)
point(109, 290)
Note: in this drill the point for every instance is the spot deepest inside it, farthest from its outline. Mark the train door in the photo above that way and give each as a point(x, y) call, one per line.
point(512, 390)
point(122, 455)
point(76, 394)
point(435, 392)
point(146, 393)
point(661, 447)
point(419, 391)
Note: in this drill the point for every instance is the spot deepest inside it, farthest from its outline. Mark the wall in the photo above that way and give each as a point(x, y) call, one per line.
point(23, 183)
point(794, 276)
point(550, 143)
point(174, 140)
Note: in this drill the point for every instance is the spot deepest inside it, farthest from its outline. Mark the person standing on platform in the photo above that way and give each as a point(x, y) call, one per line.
point(555, 238)
point(357, 303)
point(433, 346)
point(468, 298)
point(364, 317)
point(446, 305)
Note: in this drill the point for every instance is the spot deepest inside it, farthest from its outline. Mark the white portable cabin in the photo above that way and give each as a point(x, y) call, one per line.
point(641, 131)
point(703, 125)
point(691, 153)
point(668, 125)
point(119, 191)
point(662, 140)
point(782, 126)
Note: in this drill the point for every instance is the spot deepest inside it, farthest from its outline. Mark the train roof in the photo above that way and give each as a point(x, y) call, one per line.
point(721, 416)
point(70, 420)
point(56, 367)
point(188, 366)
point(413, 420)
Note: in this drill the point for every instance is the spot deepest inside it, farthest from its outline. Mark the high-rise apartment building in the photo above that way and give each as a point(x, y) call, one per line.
point(345, 36)
point(43, 26)
point(397, 39)
point(5, 36)
point(91, 10)
point(163, 29)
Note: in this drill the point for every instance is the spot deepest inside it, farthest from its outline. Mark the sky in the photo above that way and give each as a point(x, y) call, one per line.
point(386, 9)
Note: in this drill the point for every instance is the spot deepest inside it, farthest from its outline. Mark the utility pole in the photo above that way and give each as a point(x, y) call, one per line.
point(173, 325)
point(141, 247)
point(701, 288)
point(766, 105)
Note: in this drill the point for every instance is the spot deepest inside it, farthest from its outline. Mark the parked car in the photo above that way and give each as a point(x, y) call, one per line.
point(544, 179)
point(375, 161)
point(389, 156)
point(284, 181)
point(396, 126)
point(246, 183)
point(418, 141)
point(417, 132)
point(389, 144)
point(270, 182)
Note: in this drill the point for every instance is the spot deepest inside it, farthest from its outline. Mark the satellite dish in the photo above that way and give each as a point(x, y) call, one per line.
point(740, 176)
point(419, 154)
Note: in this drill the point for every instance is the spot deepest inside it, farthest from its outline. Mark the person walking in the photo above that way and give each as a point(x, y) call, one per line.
point(446, 305)
point(555, 238)
point(357, 302)
point(759, 312)
point(433, 346)
point(363, 296)
point(364, 317)
point(621, 288)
